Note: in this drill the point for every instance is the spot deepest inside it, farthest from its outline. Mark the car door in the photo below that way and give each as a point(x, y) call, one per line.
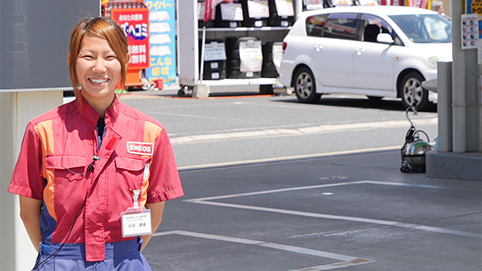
point(373, 62)
point(332, 58)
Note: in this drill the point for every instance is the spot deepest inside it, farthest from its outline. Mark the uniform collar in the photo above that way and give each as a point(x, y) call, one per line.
point(89, 113)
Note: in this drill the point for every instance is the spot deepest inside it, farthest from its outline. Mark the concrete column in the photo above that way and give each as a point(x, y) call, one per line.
point(480, 108)
point(7, 203)
point(458, 82)
point(472, 100)
point(17, 109)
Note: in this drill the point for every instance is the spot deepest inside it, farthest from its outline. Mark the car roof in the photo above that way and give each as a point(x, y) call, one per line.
point(378, 10)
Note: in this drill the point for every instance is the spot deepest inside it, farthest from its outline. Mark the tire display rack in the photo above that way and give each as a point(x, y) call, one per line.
point(190, 36)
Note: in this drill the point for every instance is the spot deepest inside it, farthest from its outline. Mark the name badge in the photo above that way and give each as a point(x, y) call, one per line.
point(136, 222)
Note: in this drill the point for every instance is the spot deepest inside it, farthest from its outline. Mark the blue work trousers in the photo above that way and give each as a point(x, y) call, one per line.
point(119, 256)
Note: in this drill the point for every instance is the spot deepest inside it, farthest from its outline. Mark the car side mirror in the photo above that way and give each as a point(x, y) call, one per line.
point(385, 38)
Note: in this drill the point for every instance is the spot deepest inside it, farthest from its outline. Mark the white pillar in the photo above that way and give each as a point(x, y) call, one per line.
point(17, 109)
point(7, 153)
point(458, 82)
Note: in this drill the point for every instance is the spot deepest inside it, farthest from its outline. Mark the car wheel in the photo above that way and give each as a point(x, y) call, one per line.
point(305, 86)
point(413, 95)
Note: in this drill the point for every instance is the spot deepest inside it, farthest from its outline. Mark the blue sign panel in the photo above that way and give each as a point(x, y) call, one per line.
point(162, 29)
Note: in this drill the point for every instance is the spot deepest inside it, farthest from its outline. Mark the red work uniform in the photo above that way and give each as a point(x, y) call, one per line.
point(53, 166)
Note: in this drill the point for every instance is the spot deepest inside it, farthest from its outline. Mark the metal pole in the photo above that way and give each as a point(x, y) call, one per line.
point(201, 75)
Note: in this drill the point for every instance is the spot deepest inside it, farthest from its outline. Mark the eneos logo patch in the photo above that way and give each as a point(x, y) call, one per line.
point(141, 148)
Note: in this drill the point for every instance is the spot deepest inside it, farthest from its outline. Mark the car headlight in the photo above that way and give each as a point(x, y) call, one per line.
point(433, 61)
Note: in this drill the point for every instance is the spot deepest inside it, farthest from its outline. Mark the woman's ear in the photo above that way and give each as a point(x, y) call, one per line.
point(128, 57)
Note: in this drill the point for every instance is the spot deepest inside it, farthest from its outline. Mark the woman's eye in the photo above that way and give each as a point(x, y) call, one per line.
point(111, 58)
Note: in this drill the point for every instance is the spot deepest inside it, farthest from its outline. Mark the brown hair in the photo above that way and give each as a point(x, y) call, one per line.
point(104, 28)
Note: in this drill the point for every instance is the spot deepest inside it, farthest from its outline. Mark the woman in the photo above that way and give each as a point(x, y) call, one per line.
point(87, 169)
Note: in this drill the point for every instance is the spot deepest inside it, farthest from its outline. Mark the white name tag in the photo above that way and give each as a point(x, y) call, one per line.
point(136, 222)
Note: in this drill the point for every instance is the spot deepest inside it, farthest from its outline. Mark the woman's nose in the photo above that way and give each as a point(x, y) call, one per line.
point(99, 66)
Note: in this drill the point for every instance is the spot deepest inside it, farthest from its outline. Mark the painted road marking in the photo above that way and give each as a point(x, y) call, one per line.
point(288, 158)
point(210, 201)
point(330, 128)
point(344, 260)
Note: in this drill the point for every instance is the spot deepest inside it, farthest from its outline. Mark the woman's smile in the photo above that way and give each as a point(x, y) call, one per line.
point(98, 70)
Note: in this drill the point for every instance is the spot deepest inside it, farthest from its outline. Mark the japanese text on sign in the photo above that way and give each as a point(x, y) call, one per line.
point(135, 23)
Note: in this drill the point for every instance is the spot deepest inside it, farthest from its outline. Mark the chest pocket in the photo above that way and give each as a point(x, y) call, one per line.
point(66, 166)
point(131, 170)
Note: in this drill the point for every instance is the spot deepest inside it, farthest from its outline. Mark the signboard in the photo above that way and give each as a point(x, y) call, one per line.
point(313, 4)
point(231, 12)
point(162, 41)
point(475, 7)
point(214, 51)
point(417, 3)
point(277, 56)
point(470, 31)
point(135, 23)
point(34, 42)
point(258, 9)
point(284, 8)
point(251, 56)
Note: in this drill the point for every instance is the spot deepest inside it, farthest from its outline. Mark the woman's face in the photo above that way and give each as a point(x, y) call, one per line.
point(98, 70)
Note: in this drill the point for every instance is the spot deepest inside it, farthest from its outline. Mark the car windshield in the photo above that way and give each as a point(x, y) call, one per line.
point(425, 28)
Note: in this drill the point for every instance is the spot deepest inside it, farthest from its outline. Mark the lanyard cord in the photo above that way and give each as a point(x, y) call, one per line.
point(70, 231)
point(94, 158)
point(91, 165)
point(67, 238)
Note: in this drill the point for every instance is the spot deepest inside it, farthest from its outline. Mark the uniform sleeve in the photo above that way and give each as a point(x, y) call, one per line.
point(27, 176)
point(164, 181)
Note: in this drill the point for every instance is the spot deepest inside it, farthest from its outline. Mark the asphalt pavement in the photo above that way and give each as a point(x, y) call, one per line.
point(354, 211)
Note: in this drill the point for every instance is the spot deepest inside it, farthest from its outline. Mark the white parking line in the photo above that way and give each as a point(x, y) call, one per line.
point(209, 201)
point(330, 128)
point(287, 158)
point(345, 260)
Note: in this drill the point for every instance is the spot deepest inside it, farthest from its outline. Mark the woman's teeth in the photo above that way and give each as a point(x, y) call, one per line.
point(98, 81)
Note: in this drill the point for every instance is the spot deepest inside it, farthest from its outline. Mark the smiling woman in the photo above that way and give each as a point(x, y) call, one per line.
point(93, 174)
point(98, 60)
point(98, 70)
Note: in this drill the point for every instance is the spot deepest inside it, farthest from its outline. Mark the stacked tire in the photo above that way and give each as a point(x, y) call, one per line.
point(214, 69)
point(233, 66)
point(270, 49)
point(252, 22)
point(219, 22)
point(277, 19)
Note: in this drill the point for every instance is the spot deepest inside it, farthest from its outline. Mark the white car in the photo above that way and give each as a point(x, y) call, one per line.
point(377, 51)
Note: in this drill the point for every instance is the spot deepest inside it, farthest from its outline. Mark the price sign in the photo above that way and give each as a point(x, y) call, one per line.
point(231, 12)
point(135, 23)
point(285, 8)
point(258, 9)
point(251, 56)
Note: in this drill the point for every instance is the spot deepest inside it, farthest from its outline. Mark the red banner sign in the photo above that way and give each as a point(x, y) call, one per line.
point(135, 23)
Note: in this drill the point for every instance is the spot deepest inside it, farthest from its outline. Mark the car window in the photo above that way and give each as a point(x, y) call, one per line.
point(372, 25)
point(340, 26)
point(437, 27)
point(425, 28)
point(314, 25)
